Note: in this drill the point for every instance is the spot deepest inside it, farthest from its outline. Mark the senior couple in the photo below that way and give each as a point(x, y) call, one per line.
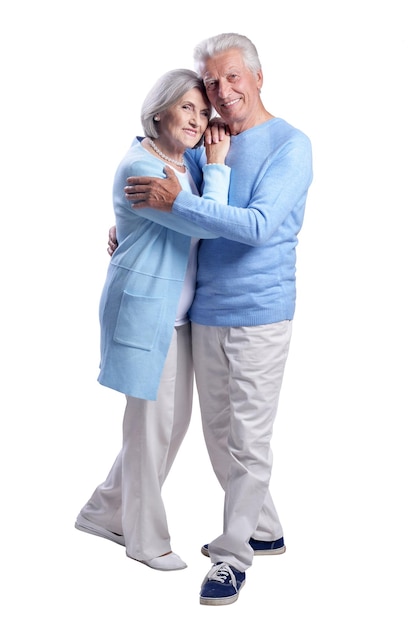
point(202, 275)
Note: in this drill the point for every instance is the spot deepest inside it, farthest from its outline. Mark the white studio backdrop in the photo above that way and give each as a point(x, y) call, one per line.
point(73, 79)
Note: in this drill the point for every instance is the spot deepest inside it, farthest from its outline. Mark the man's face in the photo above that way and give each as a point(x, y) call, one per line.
point(233, 90)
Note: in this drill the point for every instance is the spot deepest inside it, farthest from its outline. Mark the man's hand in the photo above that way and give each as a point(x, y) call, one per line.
point(112, 242)
point(157, 193)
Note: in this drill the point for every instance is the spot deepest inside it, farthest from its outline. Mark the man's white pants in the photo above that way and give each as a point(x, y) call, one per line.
point(129, 502)
point(239, 372)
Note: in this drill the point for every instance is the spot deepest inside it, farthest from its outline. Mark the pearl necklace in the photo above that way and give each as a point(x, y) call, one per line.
point(164, 156)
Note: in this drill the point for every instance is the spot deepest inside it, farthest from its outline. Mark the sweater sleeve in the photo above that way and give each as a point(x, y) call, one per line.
point(216, 187)
point(137, 163)
point(279, 189)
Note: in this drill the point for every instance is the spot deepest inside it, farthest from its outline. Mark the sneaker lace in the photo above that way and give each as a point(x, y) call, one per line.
point(221, 572)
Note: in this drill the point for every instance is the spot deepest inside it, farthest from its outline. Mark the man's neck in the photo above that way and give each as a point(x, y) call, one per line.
point(241, 126)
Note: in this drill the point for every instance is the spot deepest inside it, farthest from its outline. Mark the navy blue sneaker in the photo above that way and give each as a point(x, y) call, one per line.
point(267, 547)
point(259, 547)
point(222, 585)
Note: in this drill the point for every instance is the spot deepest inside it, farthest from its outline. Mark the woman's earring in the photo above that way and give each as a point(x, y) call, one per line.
point(156, 118)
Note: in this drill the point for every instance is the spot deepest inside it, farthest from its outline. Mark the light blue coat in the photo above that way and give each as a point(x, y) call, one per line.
point(145, 277)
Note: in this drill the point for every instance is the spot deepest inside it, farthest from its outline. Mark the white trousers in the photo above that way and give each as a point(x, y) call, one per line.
point(129, 501)
point(239, 372)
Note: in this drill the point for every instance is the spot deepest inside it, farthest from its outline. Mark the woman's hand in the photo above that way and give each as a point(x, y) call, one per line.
point(216, 141)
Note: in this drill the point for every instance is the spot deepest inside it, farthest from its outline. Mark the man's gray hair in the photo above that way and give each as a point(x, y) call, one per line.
point(221, 43)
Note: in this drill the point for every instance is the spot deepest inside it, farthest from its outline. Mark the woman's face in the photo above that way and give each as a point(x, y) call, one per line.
point(184, 123)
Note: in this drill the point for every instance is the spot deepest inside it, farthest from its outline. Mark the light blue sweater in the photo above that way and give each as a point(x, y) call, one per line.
point(145, 277)
point(248, 277)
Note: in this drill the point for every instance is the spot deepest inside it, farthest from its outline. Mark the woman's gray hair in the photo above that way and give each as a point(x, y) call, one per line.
point(168, 89)
point(221, 43)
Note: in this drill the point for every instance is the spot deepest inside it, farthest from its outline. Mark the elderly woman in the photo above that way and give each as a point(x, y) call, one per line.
point(145, 331)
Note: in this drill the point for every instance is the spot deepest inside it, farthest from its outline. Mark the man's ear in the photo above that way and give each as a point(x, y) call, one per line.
point(259, 79)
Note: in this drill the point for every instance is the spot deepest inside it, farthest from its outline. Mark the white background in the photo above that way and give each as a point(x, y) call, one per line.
point(73, 77)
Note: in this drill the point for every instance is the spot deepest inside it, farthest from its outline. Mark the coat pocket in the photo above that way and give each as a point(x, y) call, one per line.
point(138, 321)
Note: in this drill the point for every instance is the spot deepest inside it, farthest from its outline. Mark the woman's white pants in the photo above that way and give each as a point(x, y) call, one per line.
point(129, 501)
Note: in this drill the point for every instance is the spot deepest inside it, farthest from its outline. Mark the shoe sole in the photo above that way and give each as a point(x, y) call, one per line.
point(266, 552)
point(161, 569)
point(92, 529)
point(255, 552)
point(221, 601)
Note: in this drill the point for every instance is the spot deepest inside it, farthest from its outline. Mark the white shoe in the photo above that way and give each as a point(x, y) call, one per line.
point(82, 523)
point(167, 562)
